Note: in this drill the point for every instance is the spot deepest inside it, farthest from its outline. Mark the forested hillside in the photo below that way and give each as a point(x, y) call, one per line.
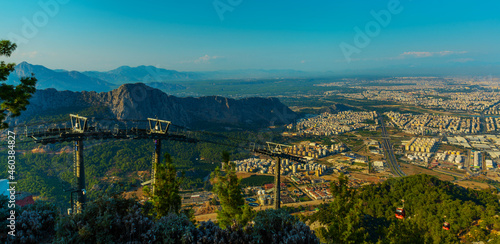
point(112, 166)
point(368, 214)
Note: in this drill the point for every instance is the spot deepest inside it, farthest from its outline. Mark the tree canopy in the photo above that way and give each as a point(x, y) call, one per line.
point(166, 198)
point(367, 214)
point(227, 187)
point(14, 99)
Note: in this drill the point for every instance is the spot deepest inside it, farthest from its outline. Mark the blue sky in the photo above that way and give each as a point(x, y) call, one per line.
point(193, 35)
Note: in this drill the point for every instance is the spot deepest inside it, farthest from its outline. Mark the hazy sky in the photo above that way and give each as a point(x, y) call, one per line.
point(196, 35)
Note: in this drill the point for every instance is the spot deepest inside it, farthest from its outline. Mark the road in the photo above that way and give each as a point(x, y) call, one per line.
point(388, 152)
point(483, 119)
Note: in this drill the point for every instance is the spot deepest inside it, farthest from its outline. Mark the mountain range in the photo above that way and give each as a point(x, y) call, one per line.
point(166, 80)
point(139, 102)
point(144, 74)
point(172, 80)
point(60, 80)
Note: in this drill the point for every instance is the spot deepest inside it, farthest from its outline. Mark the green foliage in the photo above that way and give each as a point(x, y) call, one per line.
point(342, 217)
point(278, 226)
point(42, 174)
point(367, 214)
point(228, 190)
point(106, 220)
point(34, 223)
point(14, 99)
point(257, 180)
point(173, 228)
point(166, 198)
point(48, 174)
point(117, 220)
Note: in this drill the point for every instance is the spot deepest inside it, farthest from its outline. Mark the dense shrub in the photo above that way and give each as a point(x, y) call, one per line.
point(278, 226)
point(209, 232)
point(106, 220)
point(34, 223)
point(117, 220)
point(173, 228)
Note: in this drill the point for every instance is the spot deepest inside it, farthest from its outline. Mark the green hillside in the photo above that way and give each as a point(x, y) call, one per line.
point(368, 214)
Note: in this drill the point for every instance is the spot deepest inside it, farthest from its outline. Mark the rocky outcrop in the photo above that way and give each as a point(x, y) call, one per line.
point(138, 102)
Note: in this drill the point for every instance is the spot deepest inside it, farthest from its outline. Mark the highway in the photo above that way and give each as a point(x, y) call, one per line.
point(388, 152)
point(483, 119)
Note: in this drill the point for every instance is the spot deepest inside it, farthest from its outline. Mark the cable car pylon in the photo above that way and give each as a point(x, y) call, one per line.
point(160, 127)
point(80, 131)
point(278, 152)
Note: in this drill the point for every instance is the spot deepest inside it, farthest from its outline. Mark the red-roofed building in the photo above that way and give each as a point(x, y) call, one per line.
point(271, 186)
point(22, 201)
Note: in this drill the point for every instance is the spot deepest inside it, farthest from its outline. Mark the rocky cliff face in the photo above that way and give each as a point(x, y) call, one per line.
point(138, 102)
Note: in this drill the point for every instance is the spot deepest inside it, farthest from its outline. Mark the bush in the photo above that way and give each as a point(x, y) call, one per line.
point(117, 220)
point(106, 220)
point(278, 226)
point(173, 228)
point(210, 232)
point(34, 223)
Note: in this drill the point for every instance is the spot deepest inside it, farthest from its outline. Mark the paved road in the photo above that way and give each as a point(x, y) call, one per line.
point(483, 119)
point(388, 152)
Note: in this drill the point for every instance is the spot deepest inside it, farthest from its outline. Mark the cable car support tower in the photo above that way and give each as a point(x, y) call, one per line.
point(278, 152)
point(80, 131)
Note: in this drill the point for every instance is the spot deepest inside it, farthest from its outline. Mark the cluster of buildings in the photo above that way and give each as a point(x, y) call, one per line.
point(419, 158)
point(318, 192)
point(427, 124)
point(487, 143)
point(267, 166)
point(304, 177)
point(328, 124)
point(472, 101)
point(455, 101)
point(446, 157)
point(494, 110)
point(492, 124)
point(422, 144)
point(485, 149)
point(314, 150)
point(481, 145)
point(453, 157)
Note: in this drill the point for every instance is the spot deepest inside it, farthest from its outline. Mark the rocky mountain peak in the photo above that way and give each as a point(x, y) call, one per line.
point(139, 101)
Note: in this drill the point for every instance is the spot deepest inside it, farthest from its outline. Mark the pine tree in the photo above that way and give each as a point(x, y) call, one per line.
point(342, 217)
point(233, 210)
point(14, 99)
point(167, 198)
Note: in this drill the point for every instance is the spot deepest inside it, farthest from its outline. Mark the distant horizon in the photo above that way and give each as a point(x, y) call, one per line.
point(307, 74)
point(323, 36)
